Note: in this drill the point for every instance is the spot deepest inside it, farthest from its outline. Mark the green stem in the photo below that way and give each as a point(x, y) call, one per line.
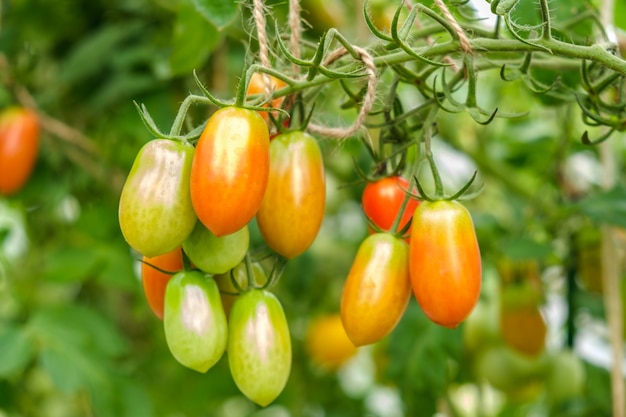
point(428, 153)
point(396, 222)
point(545, 17)
point(177, 126)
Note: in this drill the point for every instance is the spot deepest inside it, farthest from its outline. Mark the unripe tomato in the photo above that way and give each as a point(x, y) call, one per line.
point(377, 289)
point(216, 255)
point(257, 86)
point(383, 199)
point(155, 281)
point(565, 378)
point(444, 262)
point(194, 322)
point(327, 343)
point(155, 211)
point(19, 143)
point(292, 209)
point(230, 169)
point(259, 346)
point(240, 275)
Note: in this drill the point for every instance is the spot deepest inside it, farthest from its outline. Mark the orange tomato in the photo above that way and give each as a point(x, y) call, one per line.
point(523, 329)
point(327, 343)
point(19, 144)
point(155, 281)
point(257, 86)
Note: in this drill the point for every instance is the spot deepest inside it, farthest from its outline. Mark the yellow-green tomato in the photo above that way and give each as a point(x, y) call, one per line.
point(292, 208)
point(259, 346)
point(155, 210)
point(194, 322)
point(216, 255)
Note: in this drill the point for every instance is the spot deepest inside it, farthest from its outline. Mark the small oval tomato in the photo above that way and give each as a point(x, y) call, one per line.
point(194, 322)
point(444, 262)
point(257, 86)
point(259, 346)
point(327, 343)
point(216, 255)
point(382, 201)
point(230, 169)
point(565, 377)
point(523, 329)
point(155, 281)
point(155, 211)
point(240, 275)
point(377, 290)
point(19, 144)
point(292, 208)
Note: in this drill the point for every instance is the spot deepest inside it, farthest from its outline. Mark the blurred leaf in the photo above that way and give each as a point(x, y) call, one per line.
point(117, 270)
point(524, 248)
point(122, 86)
point(70, 264)
point(606, 207)
point(219, 12)
point(620, 14)
point(16, 350)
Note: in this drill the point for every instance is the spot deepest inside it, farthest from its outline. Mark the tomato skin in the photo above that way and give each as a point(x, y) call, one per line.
point(382, 200)
point(230, 170)
point(216, 255)
point(327, 343)
point(377, 290)
point(155, 281)
point(292, 209)
point(195, 326)
point(444, 262)
point(257, 86)
point(19, 144)
point(155, 211)
point(259, 346)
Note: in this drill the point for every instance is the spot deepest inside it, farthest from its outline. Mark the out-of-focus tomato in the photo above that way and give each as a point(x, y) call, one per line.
point(216, 255)
point(230, 170)
point(155, 211)
point(327, 343)
point(444, 262)
point(240, 275)
point(155, 281)
point(259, 346)
point(523, 329)
point(196, 330)
point(377, 289)
point(383, 199)
point(565, 377)
point(19, 144)
point(292, 209)
point(257, 86)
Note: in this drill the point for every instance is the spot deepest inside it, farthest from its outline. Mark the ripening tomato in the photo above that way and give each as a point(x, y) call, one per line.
point(216, 255)
point(257, 86)
point(377, 290)
point(259, 346)
point(195, 326)
point(292, 208)
point(230, 169)
point(327, 343)
point(523, 329)
point(19, 143)
point(155, 281)
point(155, 211)
point(240, 275)
point(444, 262)
point(382, 201)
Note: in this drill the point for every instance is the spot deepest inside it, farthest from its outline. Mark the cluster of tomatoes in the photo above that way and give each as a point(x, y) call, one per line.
point(186, 209)
point(19, 144)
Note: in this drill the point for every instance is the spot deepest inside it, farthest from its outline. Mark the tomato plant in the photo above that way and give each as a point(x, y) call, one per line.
point(155, 281)
point(194, 322)
point(230, 169)
point(382, 201)
point(257, 86)
point(19, 144)
point(240, 275)
point(327, 343)
point(216, 255)
point(259, 346)
point(292, 208)
point(377, 289)
point(155, 210)
point(444, 261)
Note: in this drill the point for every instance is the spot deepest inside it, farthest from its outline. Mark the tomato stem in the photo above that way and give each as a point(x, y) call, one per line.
point(398, 219)
point(428, 132)
point(249, 271)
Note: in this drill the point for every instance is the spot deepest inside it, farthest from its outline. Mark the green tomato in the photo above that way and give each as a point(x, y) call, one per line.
point(155, 210)
point(240, 275)
point(259, 346)
point(216, 255)
point(195, 325)
point(565, 378)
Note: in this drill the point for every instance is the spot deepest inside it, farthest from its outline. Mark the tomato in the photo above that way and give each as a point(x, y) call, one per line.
point(194, 322)
point(240, 275)
point(383, 199)
point(445, 262)
point(565, 377)
point(230, 169)
point(327, 343)
point(521, 324)
point(19, 144)
point(377, 290)
point(216, 255)
point(257, 86)
point(292, 209)
point(155, 211)
point(155, 281)
point(259, 346)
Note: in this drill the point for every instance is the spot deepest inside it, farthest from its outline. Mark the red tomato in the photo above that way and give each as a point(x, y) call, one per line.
point(377, 290)
point(292, 209)
point(445, 262)
point(155, 281)
point(382, 201)
point(230, 170)
point(19, 143)
point(257, 86)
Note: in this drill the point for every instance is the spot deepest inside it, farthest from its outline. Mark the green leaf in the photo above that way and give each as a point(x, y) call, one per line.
point(620, 14)
point(16, 350)
point(219, 12)
point(70, 264)
point(606, 207)
point(524, 248)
